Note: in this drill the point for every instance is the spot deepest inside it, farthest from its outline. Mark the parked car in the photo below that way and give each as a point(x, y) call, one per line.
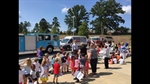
point(109, 38)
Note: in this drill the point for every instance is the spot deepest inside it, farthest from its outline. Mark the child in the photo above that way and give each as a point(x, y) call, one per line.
point(71, 54)
point(76, 66)
point(98, 48)
point(64, 65)
point(21, 73)
point(47, 62)
point(121, 61)
point(53, 60)
point(33, 77)
point(56, 71)
point(26, 68)
point(72, 62)
point(59, 58)
point(115, 58)
point(82, 64)
point(52, 63)
point(67, 61)
point(118, 56)
point(37, 68)
point(86, 66)
point(44, 72)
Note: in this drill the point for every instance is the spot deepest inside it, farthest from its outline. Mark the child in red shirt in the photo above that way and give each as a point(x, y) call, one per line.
point(56, 70)
point(72, 62)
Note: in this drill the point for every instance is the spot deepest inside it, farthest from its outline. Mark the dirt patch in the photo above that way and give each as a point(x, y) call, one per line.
point(117, 39)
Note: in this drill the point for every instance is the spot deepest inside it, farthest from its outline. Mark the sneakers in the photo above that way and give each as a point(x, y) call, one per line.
point(75, 79)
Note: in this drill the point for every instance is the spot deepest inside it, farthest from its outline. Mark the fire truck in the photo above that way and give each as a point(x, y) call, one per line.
point(31, 42)
point(97, 40)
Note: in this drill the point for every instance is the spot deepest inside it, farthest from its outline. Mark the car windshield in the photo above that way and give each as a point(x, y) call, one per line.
point(64, 40)
point(109, 37)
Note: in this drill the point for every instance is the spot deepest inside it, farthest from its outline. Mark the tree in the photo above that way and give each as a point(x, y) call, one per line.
point(83, 29)
point(122, 29)
point(36, 28)
point(44, 26)
point(56, 23)
point(24, 26)
point(106, 12)
point(54, 30)
point(80, 14)
point(20, 27)
point(69, 32)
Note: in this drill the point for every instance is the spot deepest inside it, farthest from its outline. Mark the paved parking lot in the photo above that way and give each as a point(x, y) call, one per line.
point(117, 74)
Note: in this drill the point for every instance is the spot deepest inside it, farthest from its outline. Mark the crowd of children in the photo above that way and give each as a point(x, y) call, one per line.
point(33, 71)
point(119, 52)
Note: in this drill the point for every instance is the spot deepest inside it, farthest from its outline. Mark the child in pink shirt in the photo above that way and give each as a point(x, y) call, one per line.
point(76, 65)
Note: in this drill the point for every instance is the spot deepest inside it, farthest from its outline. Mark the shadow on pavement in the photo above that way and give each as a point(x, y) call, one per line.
point(86, 80)
point(128, 62)
point(100, 63)
point(97, 67)
point(104, 73)
point(115, 68)
point(62, 83)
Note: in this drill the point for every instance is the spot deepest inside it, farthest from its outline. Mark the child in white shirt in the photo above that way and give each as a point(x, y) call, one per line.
point(121, 61)
point(33, 77)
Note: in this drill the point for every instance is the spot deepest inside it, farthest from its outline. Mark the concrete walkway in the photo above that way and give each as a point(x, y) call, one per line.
point(117, 74)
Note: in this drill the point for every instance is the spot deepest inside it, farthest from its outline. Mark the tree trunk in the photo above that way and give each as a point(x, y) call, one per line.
point(102, 29)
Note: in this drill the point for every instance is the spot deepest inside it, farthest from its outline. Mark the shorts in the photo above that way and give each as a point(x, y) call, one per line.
point(76, 69)
point(56, 75)
point(37, 74)
point(44, 79)
point(27, 75)
point(40, 60)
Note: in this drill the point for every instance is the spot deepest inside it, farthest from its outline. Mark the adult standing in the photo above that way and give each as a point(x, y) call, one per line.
point(82, 49)
point(40, 54)
point(123, 51)
point(75, 47)
point(93, 58)
point(106, 54)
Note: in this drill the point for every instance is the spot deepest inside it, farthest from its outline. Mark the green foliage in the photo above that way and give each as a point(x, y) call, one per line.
point(54, 30)
point(56, 23)
point(69, 32)
point(44, 26)
point(106, 12)
point(83, 29)
point(80, 14)
point(23, 27)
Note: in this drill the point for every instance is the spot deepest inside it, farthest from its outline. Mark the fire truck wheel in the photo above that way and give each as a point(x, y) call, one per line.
point(49, 49)
point(68, 48)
